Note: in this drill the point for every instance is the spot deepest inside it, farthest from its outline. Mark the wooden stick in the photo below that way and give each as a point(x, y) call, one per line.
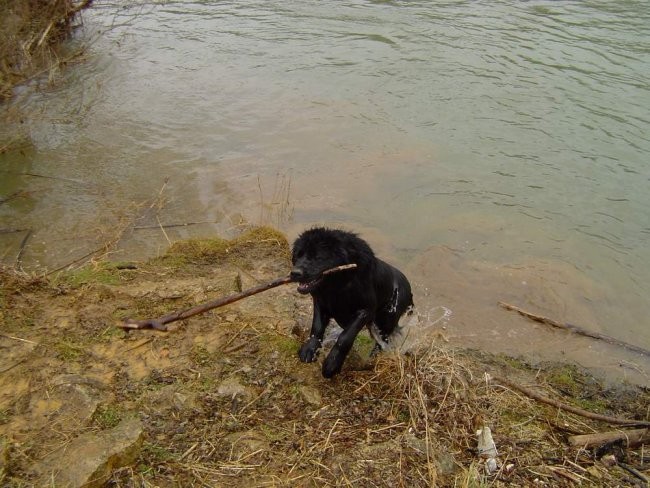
point(569, 408)
point(635, 472)
point(576, 329)
point(160, 323)
point(632, 438)
point(23, 245)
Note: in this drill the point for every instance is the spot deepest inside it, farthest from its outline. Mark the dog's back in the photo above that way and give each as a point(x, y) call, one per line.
point(394, 297)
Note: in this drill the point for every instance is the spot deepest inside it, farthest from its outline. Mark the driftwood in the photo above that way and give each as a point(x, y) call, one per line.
point(568, 408)
point(576, 329)
point(160, 323)
point(23, 245)
point(632, 438)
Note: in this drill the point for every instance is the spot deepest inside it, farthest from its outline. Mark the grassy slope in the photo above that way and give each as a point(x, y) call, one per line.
point(225, 401)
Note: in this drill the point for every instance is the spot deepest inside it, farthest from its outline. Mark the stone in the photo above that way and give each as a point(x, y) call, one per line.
point(232, 388)
point(311, 395)
point(90, 459)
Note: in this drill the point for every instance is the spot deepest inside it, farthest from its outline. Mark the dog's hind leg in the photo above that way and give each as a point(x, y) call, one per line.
point(381, 342)
point(334, 361)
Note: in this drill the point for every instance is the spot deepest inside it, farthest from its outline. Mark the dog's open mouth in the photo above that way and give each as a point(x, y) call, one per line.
point(309, 286)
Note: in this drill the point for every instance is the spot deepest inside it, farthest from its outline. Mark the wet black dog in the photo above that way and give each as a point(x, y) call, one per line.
point(373, 295)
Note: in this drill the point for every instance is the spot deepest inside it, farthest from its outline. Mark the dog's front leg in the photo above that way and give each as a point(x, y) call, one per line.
point(313, 344)
point(334, 361)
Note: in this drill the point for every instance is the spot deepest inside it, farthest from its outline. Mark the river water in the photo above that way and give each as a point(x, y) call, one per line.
point(494, 150)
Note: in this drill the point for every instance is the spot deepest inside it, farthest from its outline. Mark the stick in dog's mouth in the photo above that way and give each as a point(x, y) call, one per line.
point(308, 286)
point(160, 323)
point(343, 267)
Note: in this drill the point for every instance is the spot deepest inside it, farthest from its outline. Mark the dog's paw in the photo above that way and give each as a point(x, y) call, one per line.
point(309, 350)
point(332, 364)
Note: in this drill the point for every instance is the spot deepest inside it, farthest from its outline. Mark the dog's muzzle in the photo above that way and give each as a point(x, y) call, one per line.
point(305, 287)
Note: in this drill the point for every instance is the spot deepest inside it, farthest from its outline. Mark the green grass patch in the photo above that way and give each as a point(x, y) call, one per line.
point(104, 273)
point(201, 356)
point(244, 250)
point(155, 454)
point(287, 346)
point(107, 416)
point(364, 344)
point(69, 351)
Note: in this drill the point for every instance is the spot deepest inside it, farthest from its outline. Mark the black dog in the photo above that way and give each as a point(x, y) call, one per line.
point(372, 294)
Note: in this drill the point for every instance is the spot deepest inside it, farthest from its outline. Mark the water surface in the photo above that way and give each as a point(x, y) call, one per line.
point(494, 150)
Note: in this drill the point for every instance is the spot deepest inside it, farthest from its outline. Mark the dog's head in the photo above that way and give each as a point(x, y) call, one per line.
point(319, 249)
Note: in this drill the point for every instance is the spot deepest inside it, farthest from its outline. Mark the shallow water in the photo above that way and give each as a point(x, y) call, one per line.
point(494, 150)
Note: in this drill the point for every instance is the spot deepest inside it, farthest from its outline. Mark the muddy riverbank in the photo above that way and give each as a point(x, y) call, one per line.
point(223, 400)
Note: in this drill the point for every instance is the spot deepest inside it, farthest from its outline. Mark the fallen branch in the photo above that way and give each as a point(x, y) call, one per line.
point(632, 438)
point(635, 472)
point(23, 245)
point(568, 408)
point(170, 226)
point(160, 323)
point(575, 329)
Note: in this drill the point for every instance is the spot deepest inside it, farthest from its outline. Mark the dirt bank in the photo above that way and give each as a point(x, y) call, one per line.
point(30, 34)
point(222, 400)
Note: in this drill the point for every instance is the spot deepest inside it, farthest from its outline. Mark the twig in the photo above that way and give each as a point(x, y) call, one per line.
point(37, 175)
point(18, 339)
point(575, 329)
point(142, 343)
point(23, 244)
point(635, 472)
point(169, 226)
point(569, 408)
point(159, 323)
point(163, 231)
point(632, 438)
point(75, 261)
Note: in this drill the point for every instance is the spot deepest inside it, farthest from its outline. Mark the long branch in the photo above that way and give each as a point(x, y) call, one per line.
point(160, 323)
point(569, 408)
point(576, 329)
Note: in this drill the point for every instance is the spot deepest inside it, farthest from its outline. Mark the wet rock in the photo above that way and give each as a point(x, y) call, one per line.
point(90, 459)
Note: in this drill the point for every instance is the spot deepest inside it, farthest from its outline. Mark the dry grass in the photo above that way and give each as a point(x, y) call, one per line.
point(30, 31)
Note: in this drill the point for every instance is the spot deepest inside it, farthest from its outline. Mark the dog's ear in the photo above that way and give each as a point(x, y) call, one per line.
point(357, 251)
